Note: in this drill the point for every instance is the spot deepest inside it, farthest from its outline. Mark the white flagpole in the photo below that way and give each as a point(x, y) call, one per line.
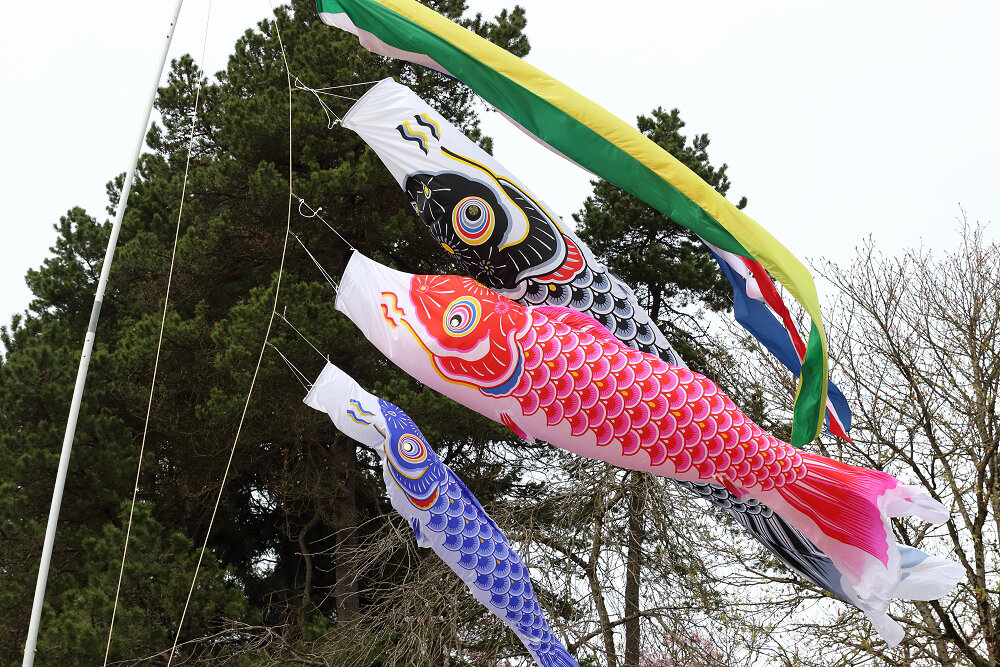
point(88, 346)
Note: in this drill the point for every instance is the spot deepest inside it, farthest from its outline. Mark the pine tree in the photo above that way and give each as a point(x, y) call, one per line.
point(664, 263)
point(296, 490)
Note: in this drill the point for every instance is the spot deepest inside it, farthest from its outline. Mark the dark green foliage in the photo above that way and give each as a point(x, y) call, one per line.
point(294, 482)
point(299, 498)
point(155, 585)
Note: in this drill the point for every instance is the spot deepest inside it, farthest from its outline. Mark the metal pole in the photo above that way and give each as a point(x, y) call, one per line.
point(88, 346)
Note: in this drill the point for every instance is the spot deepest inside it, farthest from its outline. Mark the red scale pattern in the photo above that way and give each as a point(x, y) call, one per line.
point(638, 402)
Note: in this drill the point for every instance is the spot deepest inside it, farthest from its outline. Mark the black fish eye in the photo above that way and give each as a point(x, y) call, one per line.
point(473, 212)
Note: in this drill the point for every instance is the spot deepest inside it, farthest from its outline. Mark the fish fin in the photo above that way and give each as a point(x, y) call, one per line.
point(557, 656)
point(571, 266)
point(733, 489)
point(926, 577)
point(506, 420)
point(422, 539)
point(923, 577)
point(847, 512)
point(576, 319)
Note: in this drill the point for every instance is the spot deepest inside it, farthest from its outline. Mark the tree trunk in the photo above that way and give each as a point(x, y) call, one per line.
point(345, 589)
point(306, 607)
point(633, 565)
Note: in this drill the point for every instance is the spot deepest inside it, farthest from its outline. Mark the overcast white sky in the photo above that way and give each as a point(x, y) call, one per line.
point(838, 119)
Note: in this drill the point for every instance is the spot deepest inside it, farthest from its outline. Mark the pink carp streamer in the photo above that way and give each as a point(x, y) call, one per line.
point(556, 374)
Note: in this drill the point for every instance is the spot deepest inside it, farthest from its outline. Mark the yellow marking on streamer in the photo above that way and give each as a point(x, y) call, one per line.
point(416, 133)
point(356, 420)
point(395, 303)
point(552, 218)
point(357, 404)
point(432, 122)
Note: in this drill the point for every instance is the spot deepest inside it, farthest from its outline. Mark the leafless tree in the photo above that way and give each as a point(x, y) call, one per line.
point(915, 345)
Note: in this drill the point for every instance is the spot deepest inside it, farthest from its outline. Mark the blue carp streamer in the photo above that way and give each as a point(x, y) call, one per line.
point(442, 512)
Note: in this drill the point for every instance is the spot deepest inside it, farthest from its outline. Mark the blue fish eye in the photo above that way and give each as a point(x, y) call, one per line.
point(411, 448)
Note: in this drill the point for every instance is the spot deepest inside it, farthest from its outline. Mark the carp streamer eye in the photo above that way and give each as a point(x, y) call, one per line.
point(412, 449)
point(461, 316)
point(473, 220)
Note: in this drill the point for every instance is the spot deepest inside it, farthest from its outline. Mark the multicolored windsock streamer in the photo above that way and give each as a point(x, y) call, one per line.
point(595, 139)
point(759, 307)
point(443, 513)
point(558, 375)
point(507, 239)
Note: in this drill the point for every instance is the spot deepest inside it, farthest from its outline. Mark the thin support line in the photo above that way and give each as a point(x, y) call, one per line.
point(348, 85)
point(330, 122)
point(302, 336)
point(332, 119)
point(159, 342)
point(319, 266)
point(315, 213)
point(323, 91)
point(263, 348)
point(299, 375)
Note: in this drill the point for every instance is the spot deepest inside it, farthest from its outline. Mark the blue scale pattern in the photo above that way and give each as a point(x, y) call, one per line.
point(468, 540)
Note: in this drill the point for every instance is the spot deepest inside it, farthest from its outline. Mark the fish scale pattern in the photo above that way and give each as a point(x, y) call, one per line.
point(640, 403)
point(584, 284)
point(607, 299)
point(467, 539)
point(478, 546)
